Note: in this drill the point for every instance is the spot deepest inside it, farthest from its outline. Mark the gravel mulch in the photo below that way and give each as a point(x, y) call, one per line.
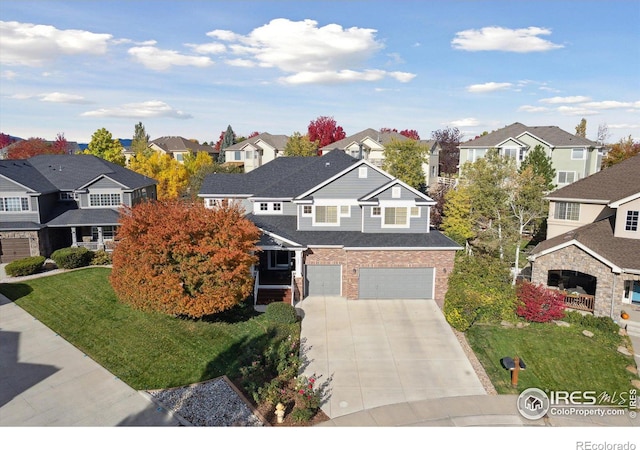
point(214, 403)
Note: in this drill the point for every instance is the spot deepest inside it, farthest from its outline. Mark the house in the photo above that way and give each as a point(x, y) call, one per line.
point(256, 151)
point(340, 226)
point(573, 157)
point(175, 146)
point(369, 144)
point(592, 250)
point(54, 201)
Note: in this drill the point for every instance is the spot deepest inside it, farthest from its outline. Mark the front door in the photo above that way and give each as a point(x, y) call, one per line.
point(635, 295)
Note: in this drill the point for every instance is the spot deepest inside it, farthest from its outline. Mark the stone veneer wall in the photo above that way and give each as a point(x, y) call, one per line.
point(36, 241)
point(609, 285)
point(352, 261)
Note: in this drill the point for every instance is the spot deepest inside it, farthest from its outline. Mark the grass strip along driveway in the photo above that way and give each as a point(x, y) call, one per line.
point(145, 350)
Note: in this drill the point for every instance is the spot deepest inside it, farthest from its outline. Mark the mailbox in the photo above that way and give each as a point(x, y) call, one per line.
point(514, 365)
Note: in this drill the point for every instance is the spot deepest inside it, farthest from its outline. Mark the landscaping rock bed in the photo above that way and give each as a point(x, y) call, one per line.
point(212, 403)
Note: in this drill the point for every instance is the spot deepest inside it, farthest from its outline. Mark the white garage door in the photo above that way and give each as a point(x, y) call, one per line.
point(396, 282)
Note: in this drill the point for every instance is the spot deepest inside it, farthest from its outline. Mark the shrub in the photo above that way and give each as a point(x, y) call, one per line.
point(281, 313)
point(25, 266)
point(604, 324)
point(101, 258)
point(539, 304)
point(72, 257)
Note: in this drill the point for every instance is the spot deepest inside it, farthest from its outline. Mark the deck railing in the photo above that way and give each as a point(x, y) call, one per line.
point(582, 302)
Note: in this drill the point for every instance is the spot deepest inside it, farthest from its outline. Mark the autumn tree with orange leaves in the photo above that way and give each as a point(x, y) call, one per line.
point(180, 258)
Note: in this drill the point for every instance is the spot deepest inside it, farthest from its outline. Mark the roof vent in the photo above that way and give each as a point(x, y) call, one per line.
point(327, 164)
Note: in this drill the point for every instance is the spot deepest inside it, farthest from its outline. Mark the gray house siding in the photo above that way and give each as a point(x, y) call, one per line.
point(105, 183)
point(351, 186)
point(352, 223)
point(9, 186)
point(374, 224)
point(127, 199)
point(405, 194)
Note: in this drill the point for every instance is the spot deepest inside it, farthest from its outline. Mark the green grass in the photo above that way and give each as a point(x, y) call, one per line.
point(145, 350)
point(557, 358)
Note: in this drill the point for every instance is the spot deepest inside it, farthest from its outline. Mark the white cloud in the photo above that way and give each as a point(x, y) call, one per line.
point(467, 122)
point(618, 126)
point(59, 97)
point(533, 109)
point(611, 104)
point(149, 109)
point(8, 74)
point(27, 44)
point(521, 40)
point(212, 48)
point(156, 59)
point(308, 53)
point(488, 87)
point(576, 111)
point(239, 62)
point(565, 100)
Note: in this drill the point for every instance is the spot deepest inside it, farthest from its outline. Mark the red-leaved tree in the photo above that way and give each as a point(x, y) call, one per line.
point(32, 147)
point(411, 134)
point(325, 131)
point(183, 259)
point(5, 140)
point(536, 303)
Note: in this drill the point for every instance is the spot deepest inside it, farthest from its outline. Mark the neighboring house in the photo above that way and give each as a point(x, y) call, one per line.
point(177, 147)
point(593, 241)
point(256, 151)
point(336, 225)
point(369, 145)
point(573, 157)
point(54, 201)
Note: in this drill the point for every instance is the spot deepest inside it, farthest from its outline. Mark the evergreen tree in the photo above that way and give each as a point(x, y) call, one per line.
point(227, 141)
point(541, 165)
point(140, 142)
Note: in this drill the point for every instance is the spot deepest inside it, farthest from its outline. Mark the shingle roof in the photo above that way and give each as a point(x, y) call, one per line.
point(23, 172)
point(285, 226)
point(180, 144)
point(69, 172)
point(611, 184)
point(381, 137)
point(284, 177)
point(550, 134)
point(278, 141)
point(86, 217)
point(599, 238)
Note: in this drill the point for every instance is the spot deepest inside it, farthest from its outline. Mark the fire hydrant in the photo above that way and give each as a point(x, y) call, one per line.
point(280, 412)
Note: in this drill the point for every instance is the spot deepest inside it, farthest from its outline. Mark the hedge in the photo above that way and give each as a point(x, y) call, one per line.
point(72, 257)
point(279, 312)
point(25, 266)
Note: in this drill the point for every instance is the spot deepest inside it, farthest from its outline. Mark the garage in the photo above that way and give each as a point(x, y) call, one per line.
point(323, 280)
point(396, 282)
point(12, 249)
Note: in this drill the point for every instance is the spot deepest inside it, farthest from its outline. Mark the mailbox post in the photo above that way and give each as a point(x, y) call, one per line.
point(514, 365)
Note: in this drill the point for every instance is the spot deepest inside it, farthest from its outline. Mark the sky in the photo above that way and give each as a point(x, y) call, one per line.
point(191, 68)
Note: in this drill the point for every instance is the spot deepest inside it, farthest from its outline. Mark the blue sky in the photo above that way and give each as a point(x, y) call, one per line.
point(190, 68)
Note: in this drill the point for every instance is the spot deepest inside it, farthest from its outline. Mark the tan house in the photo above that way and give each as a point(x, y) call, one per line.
point(592, 249)
point(256, 151)
point(177, 147)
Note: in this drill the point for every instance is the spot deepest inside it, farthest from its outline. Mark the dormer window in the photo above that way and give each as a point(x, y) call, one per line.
point(67, 196)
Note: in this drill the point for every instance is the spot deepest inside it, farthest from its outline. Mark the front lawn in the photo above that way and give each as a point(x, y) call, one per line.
point(145, 350)
point(557, 358)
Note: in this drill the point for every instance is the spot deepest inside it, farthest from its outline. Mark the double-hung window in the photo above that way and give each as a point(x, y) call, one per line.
point(632, 221)
point(577, 153)
point(11, 204)
point(567, 211)
point(395, 216)
point(326, 215)
point(104, 200)
point(565, 177)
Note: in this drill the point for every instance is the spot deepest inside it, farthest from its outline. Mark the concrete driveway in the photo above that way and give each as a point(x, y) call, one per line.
point(383, 352)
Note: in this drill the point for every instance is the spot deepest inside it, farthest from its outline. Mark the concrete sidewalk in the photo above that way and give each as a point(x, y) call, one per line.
point(46, 381)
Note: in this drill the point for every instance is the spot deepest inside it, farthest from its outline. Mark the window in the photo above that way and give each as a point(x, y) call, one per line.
point(345, 211)
point(577, 153)
point(68, 196)
point(249, 154)
point(307, 210)
point(395, 216)
point(108, 233)
point(474, 154)
point(376, 211)
point(237, 155)
point(415, 211)
point(510, 152)
point(14, 204)
point(179, 157)
point(277, 206)
point(566, 177)
point(395, 192)
point(104, 200)
point(362, 172)
point(632, 221)
point(327, 214)
point(567, 211)
point(264, 206)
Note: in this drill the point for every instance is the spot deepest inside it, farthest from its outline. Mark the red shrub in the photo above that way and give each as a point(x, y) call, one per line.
point(539, 304)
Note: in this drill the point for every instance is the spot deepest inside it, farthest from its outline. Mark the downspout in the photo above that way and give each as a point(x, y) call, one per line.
point(613, 296)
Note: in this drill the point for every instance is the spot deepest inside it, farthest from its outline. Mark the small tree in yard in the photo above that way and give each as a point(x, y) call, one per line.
point(183, 259)
point(539, 304)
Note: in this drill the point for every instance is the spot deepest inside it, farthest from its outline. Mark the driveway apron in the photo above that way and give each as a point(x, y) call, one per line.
point(382, 352)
